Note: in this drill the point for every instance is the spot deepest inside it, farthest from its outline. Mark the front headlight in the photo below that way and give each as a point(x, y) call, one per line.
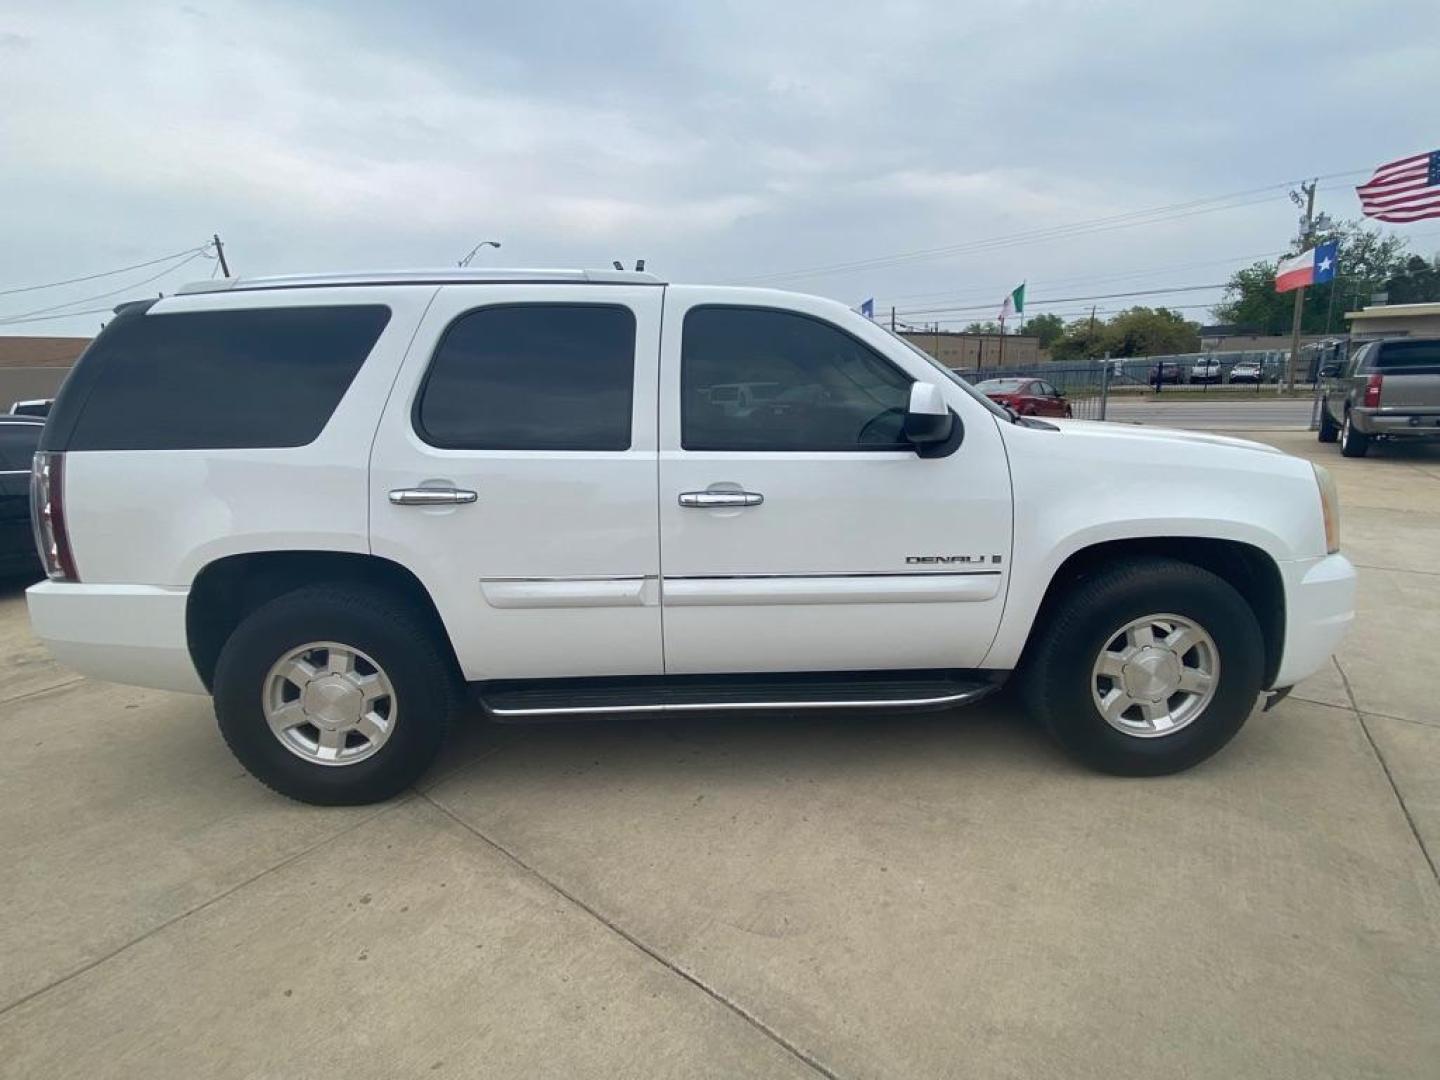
point(1329, 508)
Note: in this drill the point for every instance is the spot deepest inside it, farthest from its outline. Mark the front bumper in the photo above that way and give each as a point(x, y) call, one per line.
point(1319, 608)
point(131, 634)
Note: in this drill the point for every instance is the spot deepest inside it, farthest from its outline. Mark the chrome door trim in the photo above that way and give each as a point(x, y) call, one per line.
point(959, 698)
point(711, 500)
point(571, 592)
point(423, 496)
point(833, 589)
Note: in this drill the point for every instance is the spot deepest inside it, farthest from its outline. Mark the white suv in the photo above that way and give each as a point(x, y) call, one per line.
point(341, 504)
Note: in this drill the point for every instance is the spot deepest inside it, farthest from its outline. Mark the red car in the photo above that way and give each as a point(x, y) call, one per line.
point(1028, 397)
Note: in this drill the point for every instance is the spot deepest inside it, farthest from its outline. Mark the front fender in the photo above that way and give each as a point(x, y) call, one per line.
point(1090, 484)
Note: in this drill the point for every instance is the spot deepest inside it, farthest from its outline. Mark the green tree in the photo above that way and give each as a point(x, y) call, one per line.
point(1143, 331)
point(1137, 331)
point(1045, 327)
point(1367, 260)
point(1417, 283)
point(1081, 340)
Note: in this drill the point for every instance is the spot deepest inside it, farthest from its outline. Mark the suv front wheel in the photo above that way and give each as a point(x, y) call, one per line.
point(1145, 667)
point(334, 694)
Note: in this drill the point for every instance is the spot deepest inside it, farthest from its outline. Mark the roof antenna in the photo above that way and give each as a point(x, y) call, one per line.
point(616, 263)
point(639, 266)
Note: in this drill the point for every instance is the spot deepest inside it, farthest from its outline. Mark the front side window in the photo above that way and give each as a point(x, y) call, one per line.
point(765, 379)
point(532, 377)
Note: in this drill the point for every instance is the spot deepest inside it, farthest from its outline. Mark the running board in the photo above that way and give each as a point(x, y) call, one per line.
point(520, 699)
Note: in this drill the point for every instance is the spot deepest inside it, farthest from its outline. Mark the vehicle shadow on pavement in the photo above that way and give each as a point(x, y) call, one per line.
point(761, 748)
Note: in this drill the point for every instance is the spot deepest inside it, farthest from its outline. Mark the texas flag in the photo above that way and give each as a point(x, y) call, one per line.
point(1313, 267)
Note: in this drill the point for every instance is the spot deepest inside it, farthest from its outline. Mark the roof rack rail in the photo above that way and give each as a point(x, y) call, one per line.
point(461, 275)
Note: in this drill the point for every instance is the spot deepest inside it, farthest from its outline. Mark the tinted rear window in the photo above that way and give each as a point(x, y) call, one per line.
point(17, 446)
point(1407, 354)
point(214, 380)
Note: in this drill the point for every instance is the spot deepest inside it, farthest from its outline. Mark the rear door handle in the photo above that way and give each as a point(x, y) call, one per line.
point(435, 496)
point(712, 499)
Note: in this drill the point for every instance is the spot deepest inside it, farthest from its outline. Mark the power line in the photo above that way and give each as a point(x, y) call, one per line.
point(63, 315)
point(967, 295)
point(1067, 299)
point(103, 273)
point(1130, 219)
point(25, 316)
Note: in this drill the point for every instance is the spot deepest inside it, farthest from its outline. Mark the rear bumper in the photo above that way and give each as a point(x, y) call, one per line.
point(120, 633)
point(1419, 424)
point(1319, 608)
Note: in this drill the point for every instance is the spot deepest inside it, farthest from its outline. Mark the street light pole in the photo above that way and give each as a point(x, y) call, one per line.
point(476, 249)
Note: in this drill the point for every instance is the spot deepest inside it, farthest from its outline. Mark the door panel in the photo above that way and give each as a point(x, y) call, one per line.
point(860, 559)
point(553, 570)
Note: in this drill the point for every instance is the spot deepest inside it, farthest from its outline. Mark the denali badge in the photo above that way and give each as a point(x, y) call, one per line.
point(932, 559)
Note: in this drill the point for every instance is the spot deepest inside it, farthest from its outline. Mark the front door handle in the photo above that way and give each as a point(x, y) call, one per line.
point(713, 499)
point(436, 496)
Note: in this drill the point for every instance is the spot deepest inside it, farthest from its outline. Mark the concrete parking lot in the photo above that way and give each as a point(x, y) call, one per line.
point(1219, 411)
point(857, 896)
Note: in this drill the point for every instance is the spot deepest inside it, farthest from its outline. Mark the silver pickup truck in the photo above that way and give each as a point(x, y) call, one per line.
point(1386, 390)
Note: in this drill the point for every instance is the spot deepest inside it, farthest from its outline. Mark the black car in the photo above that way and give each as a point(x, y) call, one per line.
point(19, 435)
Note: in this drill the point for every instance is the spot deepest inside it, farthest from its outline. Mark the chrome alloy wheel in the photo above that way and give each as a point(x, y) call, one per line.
point(1155, 675)
point(329, 704)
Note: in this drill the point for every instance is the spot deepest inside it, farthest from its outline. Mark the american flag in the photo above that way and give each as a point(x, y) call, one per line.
point(1404, 190)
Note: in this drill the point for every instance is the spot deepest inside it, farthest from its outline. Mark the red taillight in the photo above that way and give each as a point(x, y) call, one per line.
point(1372, 390)
point(47, 515)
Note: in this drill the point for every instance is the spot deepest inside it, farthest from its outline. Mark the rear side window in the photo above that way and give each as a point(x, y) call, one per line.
point(532, 377)
point(1399, 355)
point(214, 380)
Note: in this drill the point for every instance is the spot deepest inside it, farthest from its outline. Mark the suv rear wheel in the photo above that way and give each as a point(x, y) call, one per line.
point(334, 694)
point(1145, 668)
point(1352, 443)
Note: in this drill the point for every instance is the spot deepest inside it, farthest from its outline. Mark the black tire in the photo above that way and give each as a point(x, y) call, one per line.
point(1329, 433)
point(1353, 443)
point(1056, 680)
point(426, 690)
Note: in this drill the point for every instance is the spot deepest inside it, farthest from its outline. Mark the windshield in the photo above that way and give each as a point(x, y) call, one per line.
point(998, 410)
point(1000, 386)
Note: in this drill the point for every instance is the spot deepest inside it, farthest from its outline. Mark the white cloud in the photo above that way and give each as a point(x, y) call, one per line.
point(716, 140)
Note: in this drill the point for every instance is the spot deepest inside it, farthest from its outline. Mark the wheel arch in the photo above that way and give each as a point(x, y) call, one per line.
point(227, 589)
point(1249, 569)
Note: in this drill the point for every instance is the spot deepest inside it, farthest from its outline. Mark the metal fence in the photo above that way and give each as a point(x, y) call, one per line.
point(1088, 386)
point(1084, 385)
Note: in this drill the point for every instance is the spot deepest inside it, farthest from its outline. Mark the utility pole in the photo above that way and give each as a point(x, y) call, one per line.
point(1307, 232)
point(892, 318)
point(220, 254)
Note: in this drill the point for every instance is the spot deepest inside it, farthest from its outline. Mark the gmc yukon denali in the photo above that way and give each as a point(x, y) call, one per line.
point(346, 506)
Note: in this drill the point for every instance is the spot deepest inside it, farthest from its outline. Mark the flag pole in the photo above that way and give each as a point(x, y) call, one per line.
point(1001, 365)
point(1307, 231)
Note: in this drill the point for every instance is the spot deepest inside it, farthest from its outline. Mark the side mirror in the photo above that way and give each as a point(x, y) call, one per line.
point(1329, 371)
point(928, 420)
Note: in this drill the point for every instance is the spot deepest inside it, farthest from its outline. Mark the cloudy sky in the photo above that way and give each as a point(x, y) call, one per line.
point(721, 141)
